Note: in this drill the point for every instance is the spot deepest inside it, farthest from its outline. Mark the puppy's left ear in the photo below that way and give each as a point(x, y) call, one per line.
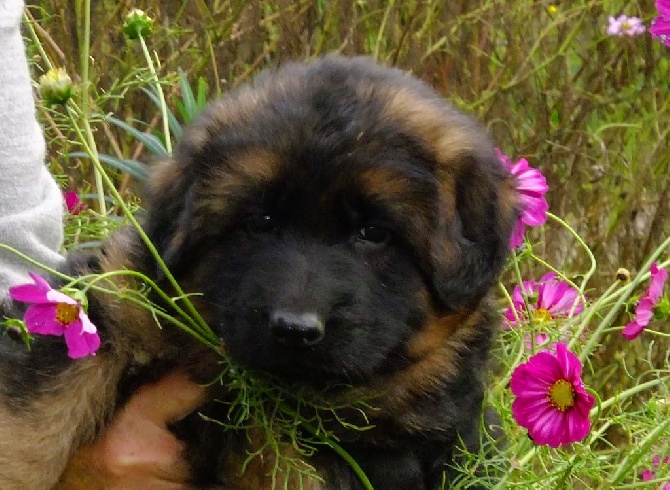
point(480, 207)
point(170, 196)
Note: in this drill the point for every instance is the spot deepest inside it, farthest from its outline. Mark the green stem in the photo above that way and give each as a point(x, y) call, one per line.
point(36, 42)
point(152, 249)
point(85, 105)
point(623, 298)
point(583, 244)
point(161, 95)
point(625, 394)
point(640, 449)
point(592, 310)
point(337, 449)
point(205, 337)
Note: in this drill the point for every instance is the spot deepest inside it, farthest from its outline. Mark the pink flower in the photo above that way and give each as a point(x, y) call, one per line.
point(546, 300)
point(625, 26)
point(649, 474)
point(56, 313)
point(551, 401)
point(644, 311)
point(531, 186)
point(660, 26)
point(73, 203)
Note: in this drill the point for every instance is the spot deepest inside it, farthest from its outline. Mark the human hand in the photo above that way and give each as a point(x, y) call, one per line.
point(137, 450)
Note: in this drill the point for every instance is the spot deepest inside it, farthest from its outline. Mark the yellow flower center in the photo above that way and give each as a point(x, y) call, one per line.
point(66, 314)
point(542, 315)
point(561, 395)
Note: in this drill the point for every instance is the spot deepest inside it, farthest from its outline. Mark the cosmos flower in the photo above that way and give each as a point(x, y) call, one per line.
point(625, 26)
point(660, 26)
point(546, 299)
point(650, 474)
point(644, 311)
point(551, 401)
point(73, 203)
point(55, 313)
point(531, 186)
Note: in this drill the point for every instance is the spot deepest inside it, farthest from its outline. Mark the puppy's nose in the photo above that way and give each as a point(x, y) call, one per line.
point(296, 329)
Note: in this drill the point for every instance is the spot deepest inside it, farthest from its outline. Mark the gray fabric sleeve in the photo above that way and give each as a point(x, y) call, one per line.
point(31, 205)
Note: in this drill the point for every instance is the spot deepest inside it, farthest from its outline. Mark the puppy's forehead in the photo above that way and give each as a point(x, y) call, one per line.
point(331, 123)
point(334, 104)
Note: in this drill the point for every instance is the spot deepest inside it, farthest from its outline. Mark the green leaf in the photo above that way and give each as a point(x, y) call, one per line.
point(175, 125)
point(131, 167)
point(202, 93)
point(188, 99)
point(152, 144)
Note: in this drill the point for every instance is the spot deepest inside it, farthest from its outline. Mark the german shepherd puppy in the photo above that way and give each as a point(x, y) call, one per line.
point(344, 226)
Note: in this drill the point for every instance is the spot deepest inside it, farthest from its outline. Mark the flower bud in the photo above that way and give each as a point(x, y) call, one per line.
point(622, 274)
point(138, 23)
point(55, 87)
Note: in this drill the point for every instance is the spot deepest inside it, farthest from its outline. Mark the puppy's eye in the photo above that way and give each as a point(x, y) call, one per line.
point(373, 234)
point(262, 223)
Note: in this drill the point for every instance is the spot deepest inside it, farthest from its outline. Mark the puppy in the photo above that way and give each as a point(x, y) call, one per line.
point(343, 225)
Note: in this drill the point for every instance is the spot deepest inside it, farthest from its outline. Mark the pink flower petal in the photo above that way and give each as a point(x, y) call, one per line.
point(648, 475)
point(80, 343)
point(504, 159)
point(546, 296)
point(565, 300)
point(28, 293)
point(86, 324)
point(72, 202)
point(549, 276)
point(663, 7)
point(41, 319)
point(570, 364)
point(531, 187)
point(632, 330)
point(660, 29)
point(31, 293)
point(55, 296)
point(658, 279)
point(40, 281)
point(516, 240)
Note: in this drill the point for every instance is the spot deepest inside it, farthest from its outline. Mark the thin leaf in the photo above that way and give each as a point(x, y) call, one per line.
point(202, 93)
point(151, 143)
point(175, 125)
point(190, 105)
point(132, 167)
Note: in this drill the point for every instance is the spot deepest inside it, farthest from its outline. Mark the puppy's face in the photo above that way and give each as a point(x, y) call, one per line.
point(329, 214)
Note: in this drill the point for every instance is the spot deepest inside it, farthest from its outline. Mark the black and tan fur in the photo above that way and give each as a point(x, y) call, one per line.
point(340, 192)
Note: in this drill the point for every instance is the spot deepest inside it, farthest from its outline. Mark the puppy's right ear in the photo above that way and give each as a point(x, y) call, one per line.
point(169, 224)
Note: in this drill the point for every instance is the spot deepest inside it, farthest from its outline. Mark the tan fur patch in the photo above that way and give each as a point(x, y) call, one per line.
point(251, 170)
point(435, 353)
point(48, 434)
point(444, 132)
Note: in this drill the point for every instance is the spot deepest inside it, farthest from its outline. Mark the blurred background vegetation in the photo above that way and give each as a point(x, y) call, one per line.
point(590, 110)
